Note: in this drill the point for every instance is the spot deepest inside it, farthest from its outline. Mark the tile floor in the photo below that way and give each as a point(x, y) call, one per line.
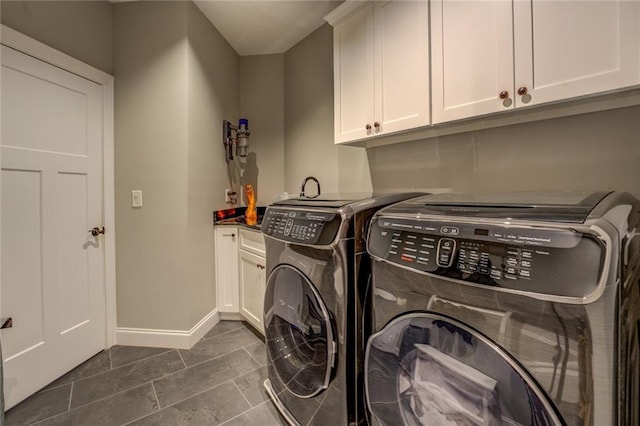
point(217, 382)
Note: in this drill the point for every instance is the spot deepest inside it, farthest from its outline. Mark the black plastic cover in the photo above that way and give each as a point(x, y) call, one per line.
point(566, 207)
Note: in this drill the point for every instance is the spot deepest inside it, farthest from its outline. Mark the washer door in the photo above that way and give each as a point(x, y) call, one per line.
point(429, 369)
point(299, 334)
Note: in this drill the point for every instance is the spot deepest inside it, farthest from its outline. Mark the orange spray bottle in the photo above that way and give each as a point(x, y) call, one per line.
point(250, 216)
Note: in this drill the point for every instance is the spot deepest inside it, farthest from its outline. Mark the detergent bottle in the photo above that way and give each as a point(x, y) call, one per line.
point(250, 215)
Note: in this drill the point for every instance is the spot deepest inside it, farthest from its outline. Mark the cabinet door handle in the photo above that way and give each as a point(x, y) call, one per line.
point(260, 266)
point(229, 235)
point(368, 128)
point(522, 91)
point(377, 126)
point(504, 94)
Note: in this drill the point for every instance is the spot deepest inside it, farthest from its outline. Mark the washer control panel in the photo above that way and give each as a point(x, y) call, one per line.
point(301, 226)
point(551, 261)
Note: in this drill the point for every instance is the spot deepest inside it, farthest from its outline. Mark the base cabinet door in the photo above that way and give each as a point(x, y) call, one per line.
point(226, 249)
point(252, 288)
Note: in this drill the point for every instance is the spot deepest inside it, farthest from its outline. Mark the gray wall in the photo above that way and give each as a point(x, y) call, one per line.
point(212, 94)
point(176, 79)
point(309, 147)
point(585, 152)
point(82, 29)
point(262, 102)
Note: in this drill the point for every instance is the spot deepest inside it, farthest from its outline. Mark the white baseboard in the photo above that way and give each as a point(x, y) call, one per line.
point(175, 339)
point(231, 316)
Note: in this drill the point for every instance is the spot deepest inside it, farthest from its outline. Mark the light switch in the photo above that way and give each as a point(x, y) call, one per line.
point(136, 198)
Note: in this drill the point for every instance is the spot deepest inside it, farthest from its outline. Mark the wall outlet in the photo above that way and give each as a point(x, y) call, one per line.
point(230, 196)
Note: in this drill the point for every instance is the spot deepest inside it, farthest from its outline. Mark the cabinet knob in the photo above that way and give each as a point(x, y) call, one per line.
point(522, 91)
point(377, 126)
point(368, 126)
point(504, 94)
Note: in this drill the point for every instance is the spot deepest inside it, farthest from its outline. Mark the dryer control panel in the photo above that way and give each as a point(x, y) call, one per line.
point(301, 226)
point(558, 262)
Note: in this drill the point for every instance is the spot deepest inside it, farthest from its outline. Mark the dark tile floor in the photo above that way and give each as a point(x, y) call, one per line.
point(217, 382)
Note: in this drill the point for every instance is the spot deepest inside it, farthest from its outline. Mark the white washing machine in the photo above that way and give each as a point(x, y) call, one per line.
point(505, 309)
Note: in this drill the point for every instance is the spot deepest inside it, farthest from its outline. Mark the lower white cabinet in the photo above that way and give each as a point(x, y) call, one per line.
point(226, 263)
point(252, 277)
point(240, 274)
point(252, 287)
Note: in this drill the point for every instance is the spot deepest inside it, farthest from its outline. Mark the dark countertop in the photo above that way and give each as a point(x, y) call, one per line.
point(235, 217)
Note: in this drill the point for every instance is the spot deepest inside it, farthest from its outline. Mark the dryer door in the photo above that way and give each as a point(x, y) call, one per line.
point(427, 368)
point(299, 335)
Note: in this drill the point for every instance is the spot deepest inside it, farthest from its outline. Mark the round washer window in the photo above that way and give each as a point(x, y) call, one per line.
point(427, 369)
point(299, 334)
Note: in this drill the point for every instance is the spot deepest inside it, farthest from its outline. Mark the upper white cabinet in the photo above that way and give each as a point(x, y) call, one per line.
point(381, 68)
point(490, 56)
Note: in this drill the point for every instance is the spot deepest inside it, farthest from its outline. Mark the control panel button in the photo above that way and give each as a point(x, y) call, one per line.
point(288, 226)
point(450, 230)
point(446, 249)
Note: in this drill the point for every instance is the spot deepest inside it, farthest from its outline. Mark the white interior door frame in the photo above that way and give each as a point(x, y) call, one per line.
point(36, 49)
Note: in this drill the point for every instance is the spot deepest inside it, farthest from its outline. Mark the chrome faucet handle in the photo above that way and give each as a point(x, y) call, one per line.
point(304, 184)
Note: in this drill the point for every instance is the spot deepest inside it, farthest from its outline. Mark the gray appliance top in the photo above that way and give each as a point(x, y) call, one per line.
point(570, 207)
point(357, 201)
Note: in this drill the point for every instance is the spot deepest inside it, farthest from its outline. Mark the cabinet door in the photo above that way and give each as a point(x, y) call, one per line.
point(353, 76)
point(572, 48)
point(252, 287)
point(402, 65)
point(472, 58)
point(226, 245)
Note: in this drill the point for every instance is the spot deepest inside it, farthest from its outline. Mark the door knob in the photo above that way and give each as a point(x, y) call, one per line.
point(97, 231)
point(6, 323)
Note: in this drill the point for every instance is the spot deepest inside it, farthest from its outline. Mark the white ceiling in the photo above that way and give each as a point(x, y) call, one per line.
point(262, 27)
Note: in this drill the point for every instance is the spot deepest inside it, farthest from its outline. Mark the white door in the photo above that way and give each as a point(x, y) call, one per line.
point(353, 76)
point(52, 267)
point(226, 245)
point(471, 58)
point(402, 65)
point(575, 48)
point(252, 285)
